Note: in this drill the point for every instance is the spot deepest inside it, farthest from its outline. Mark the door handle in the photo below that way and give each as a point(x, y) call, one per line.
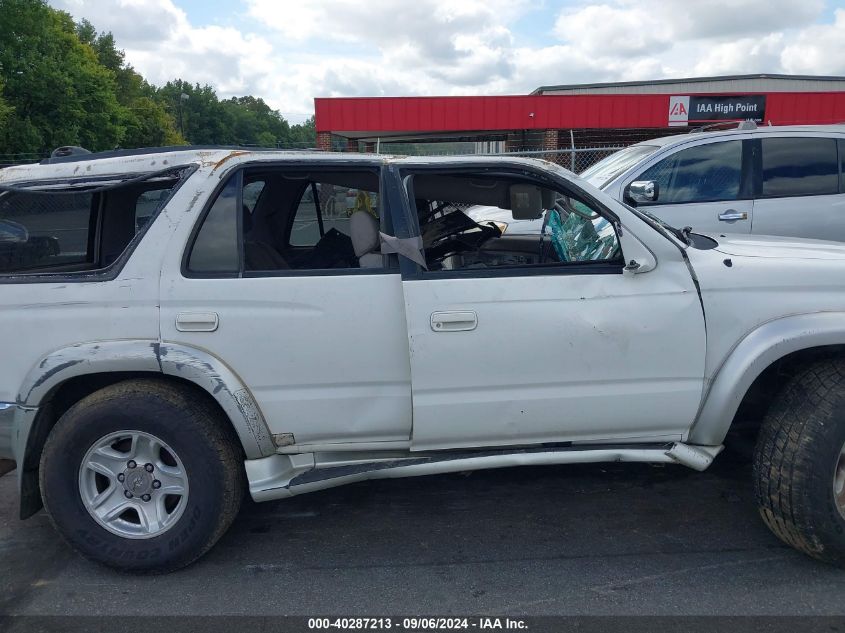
point(197, 321)
point(462, 321)
point(731, 216)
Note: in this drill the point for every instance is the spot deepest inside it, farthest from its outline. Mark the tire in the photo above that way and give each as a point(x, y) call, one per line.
point(796, 458)
point(198, 453)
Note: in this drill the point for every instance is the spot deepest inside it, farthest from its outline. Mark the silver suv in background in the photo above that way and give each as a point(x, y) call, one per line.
point(786, 181)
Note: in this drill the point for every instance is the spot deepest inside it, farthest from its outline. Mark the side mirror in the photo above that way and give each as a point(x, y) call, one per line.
point(643, 191)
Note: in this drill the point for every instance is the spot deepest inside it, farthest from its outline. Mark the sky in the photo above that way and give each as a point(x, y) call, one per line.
point(290, 51)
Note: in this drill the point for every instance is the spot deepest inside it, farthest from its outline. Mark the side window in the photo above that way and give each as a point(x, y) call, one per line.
point(80, 229)
point(704, 173)
point(41, 231)
point(799, 167)
point(318, 220)
point(292, 220)
point(215, 248)
point(476, 221)
point(336, 206)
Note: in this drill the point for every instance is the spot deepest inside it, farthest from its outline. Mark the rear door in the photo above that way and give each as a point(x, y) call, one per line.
point(799, 191)
point(267, 285)
point(705, 185)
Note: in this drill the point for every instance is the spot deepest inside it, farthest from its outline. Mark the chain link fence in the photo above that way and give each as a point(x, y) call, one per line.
point(575, 160)
point(575, 150)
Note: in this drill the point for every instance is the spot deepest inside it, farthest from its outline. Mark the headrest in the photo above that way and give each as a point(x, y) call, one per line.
point(363, 230)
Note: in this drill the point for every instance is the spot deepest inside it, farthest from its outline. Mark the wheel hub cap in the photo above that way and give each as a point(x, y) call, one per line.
point(137, 481)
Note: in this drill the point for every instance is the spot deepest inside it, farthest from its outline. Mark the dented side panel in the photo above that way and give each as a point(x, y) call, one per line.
point(210, 373)
point(193, 365)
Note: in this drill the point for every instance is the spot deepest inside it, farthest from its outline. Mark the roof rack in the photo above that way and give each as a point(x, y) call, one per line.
point(74, 154)
point(748, 124)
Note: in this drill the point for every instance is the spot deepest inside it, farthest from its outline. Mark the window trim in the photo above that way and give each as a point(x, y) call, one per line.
point(340, 165)
point(113, 270)
point(837, 142)
point(414, 272)
point(840, 155)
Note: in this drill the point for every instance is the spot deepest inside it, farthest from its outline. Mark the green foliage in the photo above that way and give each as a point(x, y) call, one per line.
point(68, 84)
point(60, 93)
point(5, 110)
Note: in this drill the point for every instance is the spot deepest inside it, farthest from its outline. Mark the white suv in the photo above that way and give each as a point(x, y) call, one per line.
point(785, 181)
point(179, 327)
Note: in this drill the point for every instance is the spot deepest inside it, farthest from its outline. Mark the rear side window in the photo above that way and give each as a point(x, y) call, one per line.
point(799, 167)
point(704, 173)
point(82, 226)
point(46, 231)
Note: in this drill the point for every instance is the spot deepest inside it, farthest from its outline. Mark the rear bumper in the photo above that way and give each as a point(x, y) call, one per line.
point(7, 419)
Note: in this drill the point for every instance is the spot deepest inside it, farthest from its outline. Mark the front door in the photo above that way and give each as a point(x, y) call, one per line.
point(516, 340)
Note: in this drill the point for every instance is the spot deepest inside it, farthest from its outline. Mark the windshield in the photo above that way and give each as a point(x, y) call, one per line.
point(606, 170)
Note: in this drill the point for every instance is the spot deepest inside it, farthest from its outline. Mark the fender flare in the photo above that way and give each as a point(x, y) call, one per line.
point(189, 363)
point(752, 355)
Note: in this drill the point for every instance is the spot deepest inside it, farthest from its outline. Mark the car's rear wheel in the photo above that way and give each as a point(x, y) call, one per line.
point(799, 463)
point(142, 475)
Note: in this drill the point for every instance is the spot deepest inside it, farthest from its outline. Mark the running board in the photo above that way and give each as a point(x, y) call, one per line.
point(280, 476)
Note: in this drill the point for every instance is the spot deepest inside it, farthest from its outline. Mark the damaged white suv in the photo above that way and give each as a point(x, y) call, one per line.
point(180, 326)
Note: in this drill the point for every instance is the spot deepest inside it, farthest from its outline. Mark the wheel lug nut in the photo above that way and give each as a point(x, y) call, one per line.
point(121, 477)
point(127, 494)
point(156, 484)
point(148, 468)
point(131, 463)
point(146, 497)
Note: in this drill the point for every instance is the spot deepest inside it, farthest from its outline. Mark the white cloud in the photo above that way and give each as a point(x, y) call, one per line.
point(819, 49)
point(290, 52)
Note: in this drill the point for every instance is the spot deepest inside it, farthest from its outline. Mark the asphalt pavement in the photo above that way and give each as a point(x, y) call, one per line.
point(604, 539)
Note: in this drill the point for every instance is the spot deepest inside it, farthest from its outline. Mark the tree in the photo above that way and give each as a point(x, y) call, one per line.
point(68, 84)
point(6, 110)
point(146, 121)
point(304, 134)
point(149, 125)
point(60, 93)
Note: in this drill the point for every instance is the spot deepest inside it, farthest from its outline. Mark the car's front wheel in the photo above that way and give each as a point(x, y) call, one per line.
point(142, 475)
point(799, 463)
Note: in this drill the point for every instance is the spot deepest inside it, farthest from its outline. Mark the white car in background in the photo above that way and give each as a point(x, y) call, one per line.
point(786, 181)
